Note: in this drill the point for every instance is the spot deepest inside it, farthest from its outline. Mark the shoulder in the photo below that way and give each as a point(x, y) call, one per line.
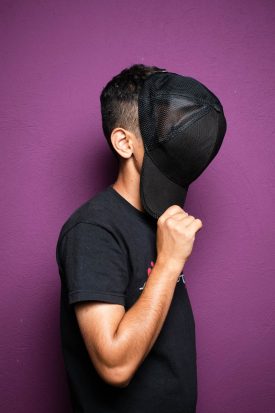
point(97, 212)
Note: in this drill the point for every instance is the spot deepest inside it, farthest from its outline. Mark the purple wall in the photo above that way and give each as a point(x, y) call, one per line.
point(56, 56)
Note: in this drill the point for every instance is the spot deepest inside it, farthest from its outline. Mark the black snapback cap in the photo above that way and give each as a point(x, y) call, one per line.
point(182, 125)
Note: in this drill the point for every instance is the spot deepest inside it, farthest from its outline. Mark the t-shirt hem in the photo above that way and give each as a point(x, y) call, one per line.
point(113, 298)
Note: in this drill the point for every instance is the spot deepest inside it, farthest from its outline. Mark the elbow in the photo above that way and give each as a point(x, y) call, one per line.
point(116, 376)
point(120, 383)
point(115, 372)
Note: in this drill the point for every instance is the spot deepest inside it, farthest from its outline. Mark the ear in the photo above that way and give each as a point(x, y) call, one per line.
point(122, 142)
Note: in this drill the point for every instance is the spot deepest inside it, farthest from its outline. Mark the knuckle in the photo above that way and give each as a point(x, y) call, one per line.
point(175, 208)
point(160, 220)
point(169, 222)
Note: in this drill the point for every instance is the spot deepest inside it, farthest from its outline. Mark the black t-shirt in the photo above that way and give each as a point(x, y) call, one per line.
point(105, 252)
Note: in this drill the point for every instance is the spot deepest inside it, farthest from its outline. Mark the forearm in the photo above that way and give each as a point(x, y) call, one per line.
point(142, 323)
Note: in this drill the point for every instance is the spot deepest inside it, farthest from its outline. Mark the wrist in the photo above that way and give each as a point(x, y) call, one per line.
point(173, 267)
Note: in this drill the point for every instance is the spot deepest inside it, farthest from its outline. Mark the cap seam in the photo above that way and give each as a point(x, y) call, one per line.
point(194, 118)
point(169, 176)
point(161, 93)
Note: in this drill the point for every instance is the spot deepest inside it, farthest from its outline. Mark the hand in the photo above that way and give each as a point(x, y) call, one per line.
point(176, 231)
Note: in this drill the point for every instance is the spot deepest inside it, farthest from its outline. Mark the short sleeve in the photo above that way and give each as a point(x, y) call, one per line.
point(94, 265)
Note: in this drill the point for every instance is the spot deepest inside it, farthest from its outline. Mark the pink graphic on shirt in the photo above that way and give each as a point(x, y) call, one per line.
point(149, 270)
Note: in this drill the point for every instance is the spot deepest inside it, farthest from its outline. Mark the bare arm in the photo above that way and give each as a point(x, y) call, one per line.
point(118, 341)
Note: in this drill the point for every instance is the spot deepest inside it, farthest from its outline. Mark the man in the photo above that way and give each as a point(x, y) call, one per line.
point(127, 327)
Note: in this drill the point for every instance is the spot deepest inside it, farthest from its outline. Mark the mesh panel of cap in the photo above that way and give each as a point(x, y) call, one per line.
point(182, 125)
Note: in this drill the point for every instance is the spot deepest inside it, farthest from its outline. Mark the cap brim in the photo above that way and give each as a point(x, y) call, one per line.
point(157, 192)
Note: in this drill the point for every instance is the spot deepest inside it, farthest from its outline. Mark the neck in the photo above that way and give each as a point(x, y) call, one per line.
point(127, 183)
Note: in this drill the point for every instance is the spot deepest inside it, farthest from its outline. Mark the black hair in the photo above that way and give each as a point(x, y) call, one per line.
point(119, 100)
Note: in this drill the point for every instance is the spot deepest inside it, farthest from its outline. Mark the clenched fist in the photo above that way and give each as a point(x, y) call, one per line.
point(176, 231)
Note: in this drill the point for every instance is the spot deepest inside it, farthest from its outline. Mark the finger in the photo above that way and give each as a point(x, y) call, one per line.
point(195, 225)
point(179, 215)
point(188, 220)
point(171, 211)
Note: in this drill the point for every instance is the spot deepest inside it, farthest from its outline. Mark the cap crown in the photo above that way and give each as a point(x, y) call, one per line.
point(182, 125)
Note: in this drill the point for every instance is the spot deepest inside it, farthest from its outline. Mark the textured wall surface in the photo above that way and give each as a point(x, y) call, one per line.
point(56, 56)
